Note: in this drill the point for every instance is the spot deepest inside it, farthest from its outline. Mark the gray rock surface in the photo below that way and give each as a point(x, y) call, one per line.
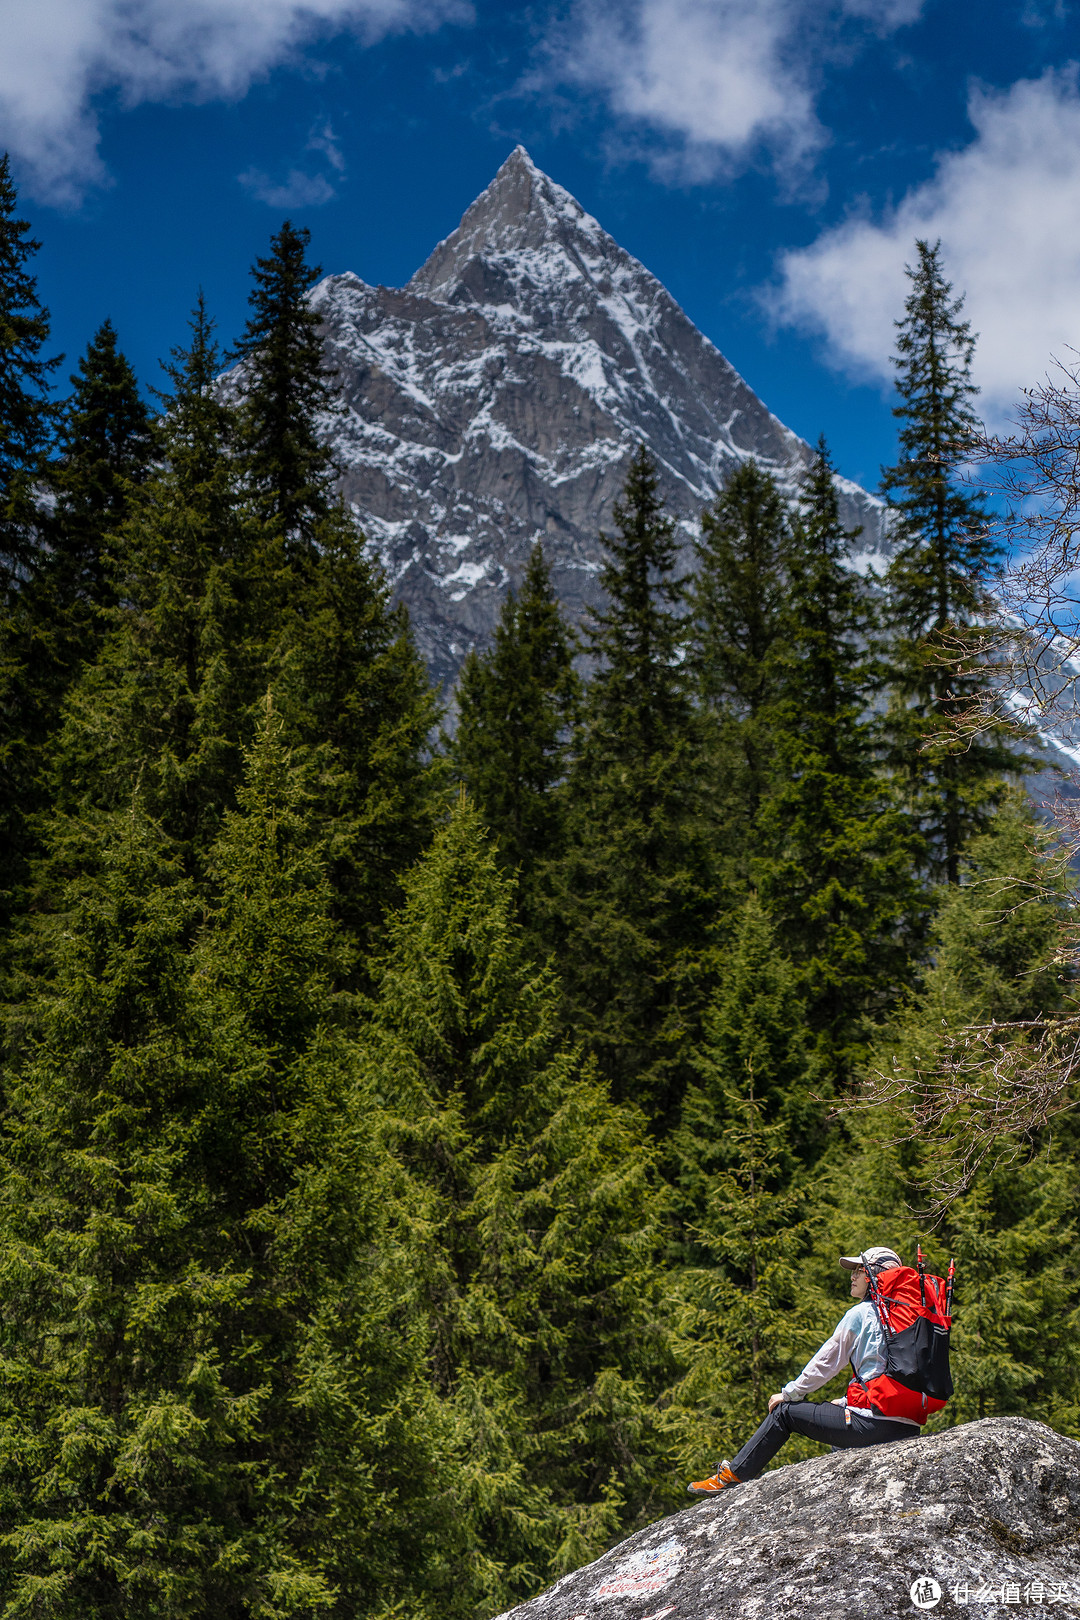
point(497, 398)
point(988, 1511)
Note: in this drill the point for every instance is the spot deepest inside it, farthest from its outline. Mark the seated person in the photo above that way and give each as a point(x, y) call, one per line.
point(858, 1339)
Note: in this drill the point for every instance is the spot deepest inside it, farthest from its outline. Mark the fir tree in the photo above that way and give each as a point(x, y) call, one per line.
point(515, 706)
point(737, 606)
point(631, 895)
point(30, 646)
point(937, 580)
point(26, 411)
point(213, 607)
point(105, 447)
point(55, 623)
point(539, 1230)
point(211, 1396)
point(286, 388)
point(755, 1026)
point(745, 1313)
point(835, 859)
point(169, 699)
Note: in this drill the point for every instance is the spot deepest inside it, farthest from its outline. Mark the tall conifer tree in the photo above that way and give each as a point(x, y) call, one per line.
point(339, 657)
point(26, 412)
point(835, 860)
point(105, 447)
point(27, 641)
point(199, 1240)
point(213, 606)
point(515, 707)
point(539, 1229)
point(631, 895)
point(169, 697)
point(937, 581)
point(286, 388)
point(737, 605)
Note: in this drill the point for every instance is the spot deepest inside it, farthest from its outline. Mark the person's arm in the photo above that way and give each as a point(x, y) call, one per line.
point(825, 1365)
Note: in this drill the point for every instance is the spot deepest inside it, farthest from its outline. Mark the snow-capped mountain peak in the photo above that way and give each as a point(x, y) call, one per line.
point(496, 399)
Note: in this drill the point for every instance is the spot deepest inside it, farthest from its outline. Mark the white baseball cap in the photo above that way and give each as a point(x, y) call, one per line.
point(878, 1259)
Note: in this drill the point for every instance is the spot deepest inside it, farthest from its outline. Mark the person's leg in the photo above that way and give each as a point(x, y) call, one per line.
point(837, 1426)
point(820, 1420)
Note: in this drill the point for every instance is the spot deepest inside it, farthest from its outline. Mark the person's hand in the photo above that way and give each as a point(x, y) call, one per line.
point(775, 1401)
point(840, 1400)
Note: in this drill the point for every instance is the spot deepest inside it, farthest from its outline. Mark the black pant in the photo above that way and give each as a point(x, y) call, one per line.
point(818, 1420)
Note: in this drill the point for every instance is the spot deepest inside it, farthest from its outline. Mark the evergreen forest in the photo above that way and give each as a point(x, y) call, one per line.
point(428, 1128)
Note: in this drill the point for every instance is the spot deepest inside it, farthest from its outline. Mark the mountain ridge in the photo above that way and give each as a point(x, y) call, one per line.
point(495, 400)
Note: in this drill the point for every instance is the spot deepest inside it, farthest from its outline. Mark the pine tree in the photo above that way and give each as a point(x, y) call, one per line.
point(754, 1027)
point(55, 622)
point(27, 642)
point(834, 858)
point(169, 700)
point(26, 411)
point(211, 1391)
point(212, 608)
point(937, 580)
point(286, 388)
point(631, 897)
point(745, 1314)
point(515, 705)
point(339, 657)
point(539, 1233)
point(737, 607)
point(106, 444)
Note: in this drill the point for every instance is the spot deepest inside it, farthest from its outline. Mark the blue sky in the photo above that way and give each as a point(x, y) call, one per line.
point(770, 160)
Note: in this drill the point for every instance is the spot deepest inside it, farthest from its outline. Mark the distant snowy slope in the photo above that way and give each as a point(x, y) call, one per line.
point(496, 399)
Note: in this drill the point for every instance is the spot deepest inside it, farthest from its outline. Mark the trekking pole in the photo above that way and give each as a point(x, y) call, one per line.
point(920, 1261)
point(949, 1286)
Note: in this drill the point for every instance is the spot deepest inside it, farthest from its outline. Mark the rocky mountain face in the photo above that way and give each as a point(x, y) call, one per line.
point(980, 1517)
point(496, 399)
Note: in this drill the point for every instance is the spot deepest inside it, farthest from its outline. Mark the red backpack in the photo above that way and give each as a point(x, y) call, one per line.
point(915, 1315)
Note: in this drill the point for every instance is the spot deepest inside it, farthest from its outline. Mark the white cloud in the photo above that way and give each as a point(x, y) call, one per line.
point(322, 139)
point(56, 56)
point(300, 190)
point(1007, 210)
point(717, 77)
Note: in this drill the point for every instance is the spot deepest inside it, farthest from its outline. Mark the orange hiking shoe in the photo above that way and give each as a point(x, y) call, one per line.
point(720, 1481)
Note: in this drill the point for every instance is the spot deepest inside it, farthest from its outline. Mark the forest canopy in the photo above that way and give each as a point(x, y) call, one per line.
point(427, 1134)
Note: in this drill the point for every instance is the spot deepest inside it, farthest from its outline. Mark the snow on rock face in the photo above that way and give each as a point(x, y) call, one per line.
point(981, 1516)
point(497, 398)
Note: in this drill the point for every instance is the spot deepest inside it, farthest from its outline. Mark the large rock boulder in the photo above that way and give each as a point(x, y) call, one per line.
point(983, 1516)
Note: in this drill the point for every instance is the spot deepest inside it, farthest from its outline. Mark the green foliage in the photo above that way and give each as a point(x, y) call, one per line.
point(938, 578)
point(106, 445)
point(538, 1223)
point(630, 900)
point(35, 656)
point(26, 412)
point(738, 602)
point(745, 1313)
point(285, 390)
point(210, 1379)
point(1017, 1332)
point(515, 706)
point(755, 1043)
point(834, 858)
point(167, 699)
point(212, 607)
point(338, 1272)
